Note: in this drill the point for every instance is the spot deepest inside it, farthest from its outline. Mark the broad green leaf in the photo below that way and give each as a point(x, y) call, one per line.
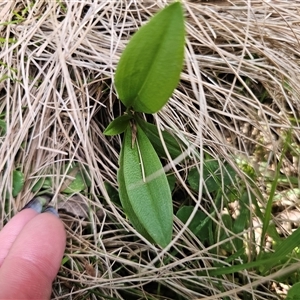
point(118, 125)
point(76, 185)
point(144, 189)
point(294, 292)
point(174, 148)
point(126, 202)
point(79, 183)
point(150, 66)
point(200, 223)
point(42, 184)
point(213, 176)
point(18, 182)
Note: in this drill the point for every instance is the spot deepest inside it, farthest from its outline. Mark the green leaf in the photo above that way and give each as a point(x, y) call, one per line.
point(222, 234)
point(43, 183)
point(144, 189)
point(213, 174)
point(241, 222)
point(126, 202)
point(18, 182)
point(150, 66)
point(118, 125)
point(174, 148)
point(199, 225)
point(294, 292)
point(274, 259)
point(172, 181)
point(79, 183)
point(113, 193)
point(76, 185)
point(2, 127)
point(286, 247)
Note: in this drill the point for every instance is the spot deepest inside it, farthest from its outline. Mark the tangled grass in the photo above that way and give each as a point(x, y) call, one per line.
point(238, 102)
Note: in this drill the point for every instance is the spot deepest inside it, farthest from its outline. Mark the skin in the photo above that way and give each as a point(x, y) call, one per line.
point(31, 248)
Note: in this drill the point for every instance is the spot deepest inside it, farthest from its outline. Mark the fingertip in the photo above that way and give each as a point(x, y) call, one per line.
point(36, 254)
point(12, 229)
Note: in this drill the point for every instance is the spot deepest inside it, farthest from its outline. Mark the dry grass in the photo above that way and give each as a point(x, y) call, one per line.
point(238, 97)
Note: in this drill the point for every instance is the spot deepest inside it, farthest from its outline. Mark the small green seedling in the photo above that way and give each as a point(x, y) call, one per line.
point(18, 180)
point(146, 76)
point(77, 180)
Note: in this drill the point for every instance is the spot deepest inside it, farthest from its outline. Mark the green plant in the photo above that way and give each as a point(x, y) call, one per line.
point(2, 124)
point(18, 179)
point(77, 180)
point(147, 74)
point(219, 179)
point(293, 293)
point(12, 71)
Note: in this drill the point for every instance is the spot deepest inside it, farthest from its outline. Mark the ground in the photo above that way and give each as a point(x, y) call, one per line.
point(235, 110)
